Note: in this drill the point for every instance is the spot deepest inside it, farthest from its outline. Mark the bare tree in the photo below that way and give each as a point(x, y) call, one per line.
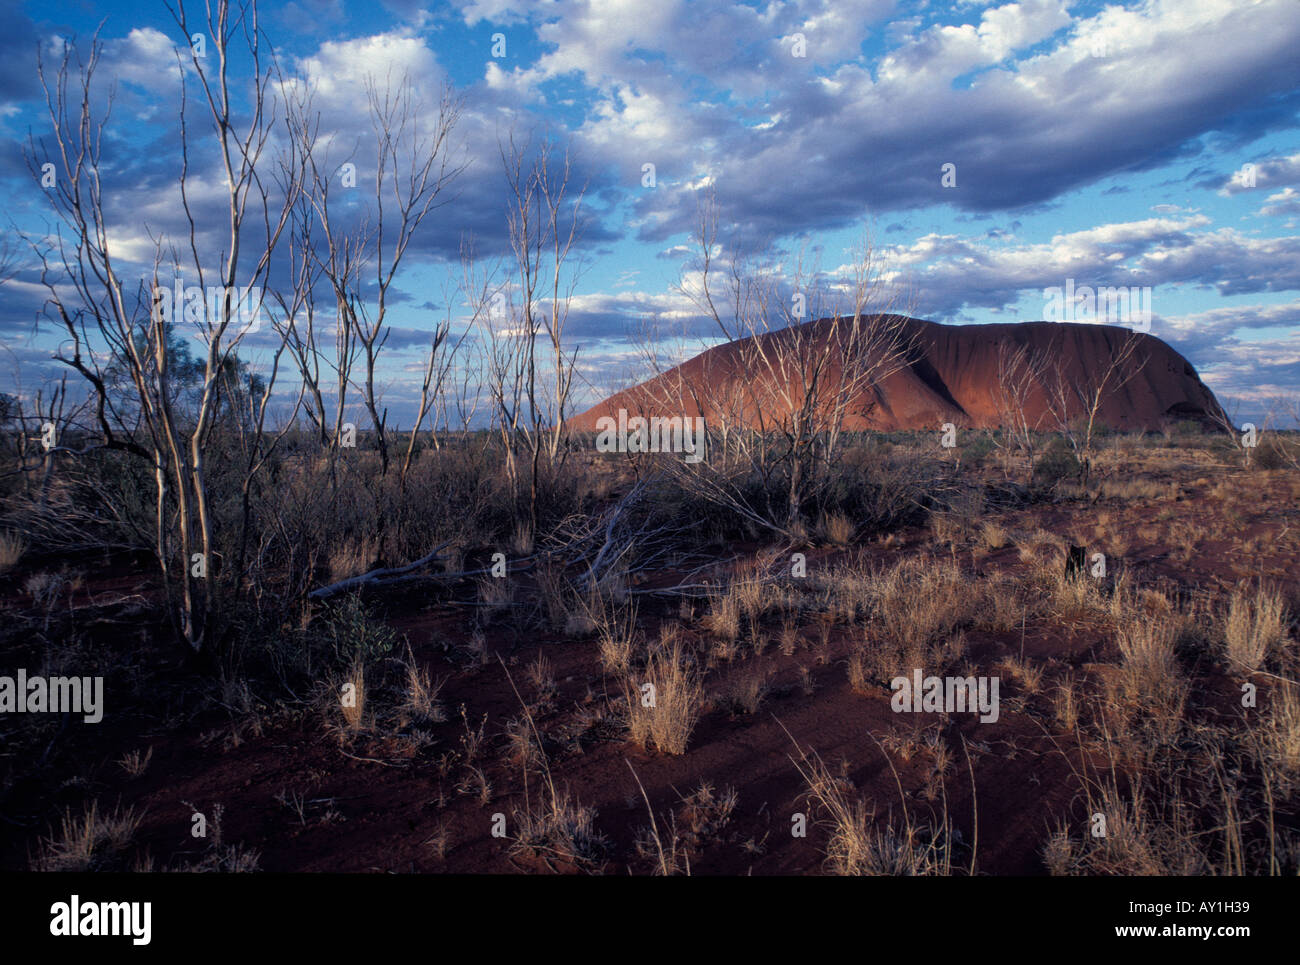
point(782, 402)
point(413, 168)
point(1075, 400)
point(437, 370)
point(544, 221)
point(97, 308)
point(1020, 381)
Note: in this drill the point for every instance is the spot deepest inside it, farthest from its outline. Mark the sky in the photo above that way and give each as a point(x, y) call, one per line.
point(988, 151)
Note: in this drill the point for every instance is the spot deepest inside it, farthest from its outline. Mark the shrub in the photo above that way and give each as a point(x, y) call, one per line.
point(355, 634)
point(976, 451)
point(1057, 465)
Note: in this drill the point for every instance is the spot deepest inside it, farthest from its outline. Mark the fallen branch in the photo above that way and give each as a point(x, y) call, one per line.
point(376, 576)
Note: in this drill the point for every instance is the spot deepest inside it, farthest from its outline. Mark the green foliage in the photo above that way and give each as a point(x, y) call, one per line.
point(353, 632)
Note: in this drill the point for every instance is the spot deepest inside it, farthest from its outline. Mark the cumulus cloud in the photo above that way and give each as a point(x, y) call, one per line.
point(1264, 173)
point(1040, 115)
point(952, 273)
point(1029, 101)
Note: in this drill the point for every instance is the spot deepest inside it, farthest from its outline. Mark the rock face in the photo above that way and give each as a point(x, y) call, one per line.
point(964, 374)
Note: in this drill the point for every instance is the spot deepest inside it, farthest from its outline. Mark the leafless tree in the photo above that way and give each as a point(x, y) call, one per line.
point(442, 354)
point(1019, 387)
point(97, 308)
point(544, 219)
point(414, 165)
point(1075, 400)
point(783, 402)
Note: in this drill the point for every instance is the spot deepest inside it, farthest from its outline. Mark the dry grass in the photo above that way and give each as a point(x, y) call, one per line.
point(12, 547)
point(836, 529)
point(557, 826)
point(994, 535)
point(421, 697)
point(615, 626)
point(476, 784)
point(558, 601)
point(807, 685)
point(922, 600)
point(552, 825)
point(706, 812)
point(352, 699)
point(1028, 675)
point(1150, 680)
point(1136, 840)
point(668, 849)
point(90, 842)
point(521, 541)
point(1253, 626)
point(541, 673)
point(1282, 736)
point(352, 559)
point(523, 748)
point(862, 673)
point(789, 638)
point(856, 846)
point(439, 840)
point(135, 763)
point(916, 610)
point(496, 594)
point(1066, 704)
point(1004, 609)
point(1042, 551)
point(664, 713)
point(1078, 598)
point(947, 529)
point(1130, 489)
point(723, 618)
point(748, 690)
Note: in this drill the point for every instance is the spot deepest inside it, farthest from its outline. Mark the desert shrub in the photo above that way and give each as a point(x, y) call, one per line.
point(1271, 453)
point(1057, 464)
point(354, 633)
point(560, 827)
point(977, 451)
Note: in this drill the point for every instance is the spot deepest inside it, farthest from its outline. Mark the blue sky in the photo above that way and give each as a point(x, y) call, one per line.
point(1093, 142)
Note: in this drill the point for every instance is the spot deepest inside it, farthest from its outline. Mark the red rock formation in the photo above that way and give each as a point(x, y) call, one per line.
point(945, 373)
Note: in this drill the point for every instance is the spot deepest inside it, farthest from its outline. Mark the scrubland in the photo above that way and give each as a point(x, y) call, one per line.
point(630, 664)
